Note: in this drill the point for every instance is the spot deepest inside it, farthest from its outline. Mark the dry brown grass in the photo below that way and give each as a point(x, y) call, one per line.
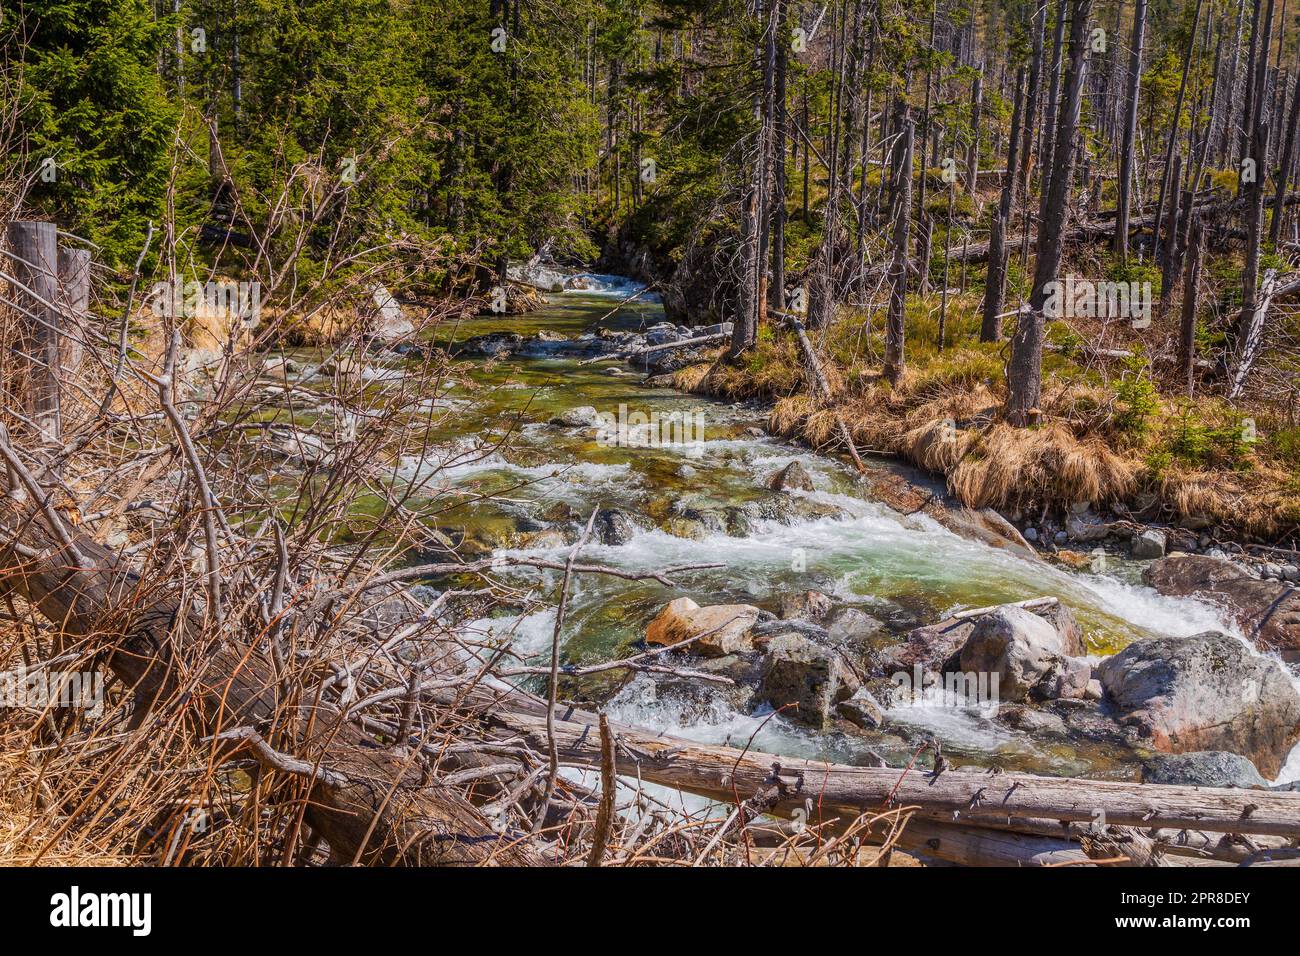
point(945, 417)
point(31, 828)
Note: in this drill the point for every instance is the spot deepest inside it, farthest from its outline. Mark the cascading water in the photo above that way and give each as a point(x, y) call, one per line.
point(904, 571)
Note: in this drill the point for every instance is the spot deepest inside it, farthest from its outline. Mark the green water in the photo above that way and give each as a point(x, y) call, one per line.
point(487, 433)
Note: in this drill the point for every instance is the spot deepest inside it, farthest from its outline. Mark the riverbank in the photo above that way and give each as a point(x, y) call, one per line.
point(1107, 442)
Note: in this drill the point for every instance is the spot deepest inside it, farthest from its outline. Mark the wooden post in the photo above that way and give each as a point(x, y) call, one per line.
point(74, 281)
point(35, 251)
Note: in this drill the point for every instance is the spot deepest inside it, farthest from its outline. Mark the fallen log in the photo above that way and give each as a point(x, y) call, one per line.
point(371, 805)
point(955, 796)
point(662, 347)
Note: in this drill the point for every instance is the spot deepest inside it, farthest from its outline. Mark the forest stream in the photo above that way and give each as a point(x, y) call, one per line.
point(520, 451)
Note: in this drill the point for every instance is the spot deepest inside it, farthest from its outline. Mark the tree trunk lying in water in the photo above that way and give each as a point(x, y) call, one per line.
point(370, 804)
point(956, 796)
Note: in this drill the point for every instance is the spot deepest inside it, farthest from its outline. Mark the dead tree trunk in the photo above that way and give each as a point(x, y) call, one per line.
point(996, 276)
point(1129, 148)
point(34, 248)
point(1253, 193)
point(974, 797)
point(894, 324)
point(1187, 331)
point(1284, 168)
point(1025, 370)
point(74, 284)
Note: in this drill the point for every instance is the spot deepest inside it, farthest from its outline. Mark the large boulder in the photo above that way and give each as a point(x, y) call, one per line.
point(798, 671)
point(1021, 648)
point(1203, 768)
point(683, 619)
point(1207, 692)
point(1268, 612)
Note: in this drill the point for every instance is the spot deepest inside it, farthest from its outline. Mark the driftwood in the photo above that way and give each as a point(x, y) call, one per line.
point(371, 805)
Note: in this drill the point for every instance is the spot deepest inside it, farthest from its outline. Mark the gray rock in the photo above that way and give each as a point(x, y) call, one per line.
point(1030, 719)
point(852, 627)
point(662, 334)
point(793, 477)
point(797, 671)
point(390, 324)
point(862, 709)
point(1290, 572)
point(1269, 611)
point(1203, 768)
point(806, 606)
point(1017, 645)
point(580, 417)
point(1206, 692)
point(1148, 545)
point(1031, 534)
point(614, 526)
point(1068, 680)
point(1087, 527)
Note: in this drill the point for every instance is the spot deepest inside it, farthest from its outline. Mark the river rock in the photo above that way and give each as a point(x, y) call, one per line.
point(1266, 611)
point(1020, 647)
point(788, 509)
point(1206, 692)
point(1087, 527)
point(853, 628)
point(493, 343)
point(682, 619)
point(547, 538)
point(798, 671)
point(614, 526)
point(793, 477)
point(805, 606)
point(1203, 768)
point(936, 646)
point(584, 416)
point(661, 334)
point(1068, 679)
point(1030, 719)
point(1148, 545)
point(862, 709)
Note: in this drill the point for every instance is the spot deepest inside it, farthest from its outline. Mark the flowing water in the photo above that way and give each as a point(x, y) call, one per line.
point(903, 571)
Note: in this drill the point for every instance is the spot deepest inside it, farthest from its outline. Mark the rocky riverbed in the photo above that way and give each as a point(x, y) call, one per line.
point(835, 626)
